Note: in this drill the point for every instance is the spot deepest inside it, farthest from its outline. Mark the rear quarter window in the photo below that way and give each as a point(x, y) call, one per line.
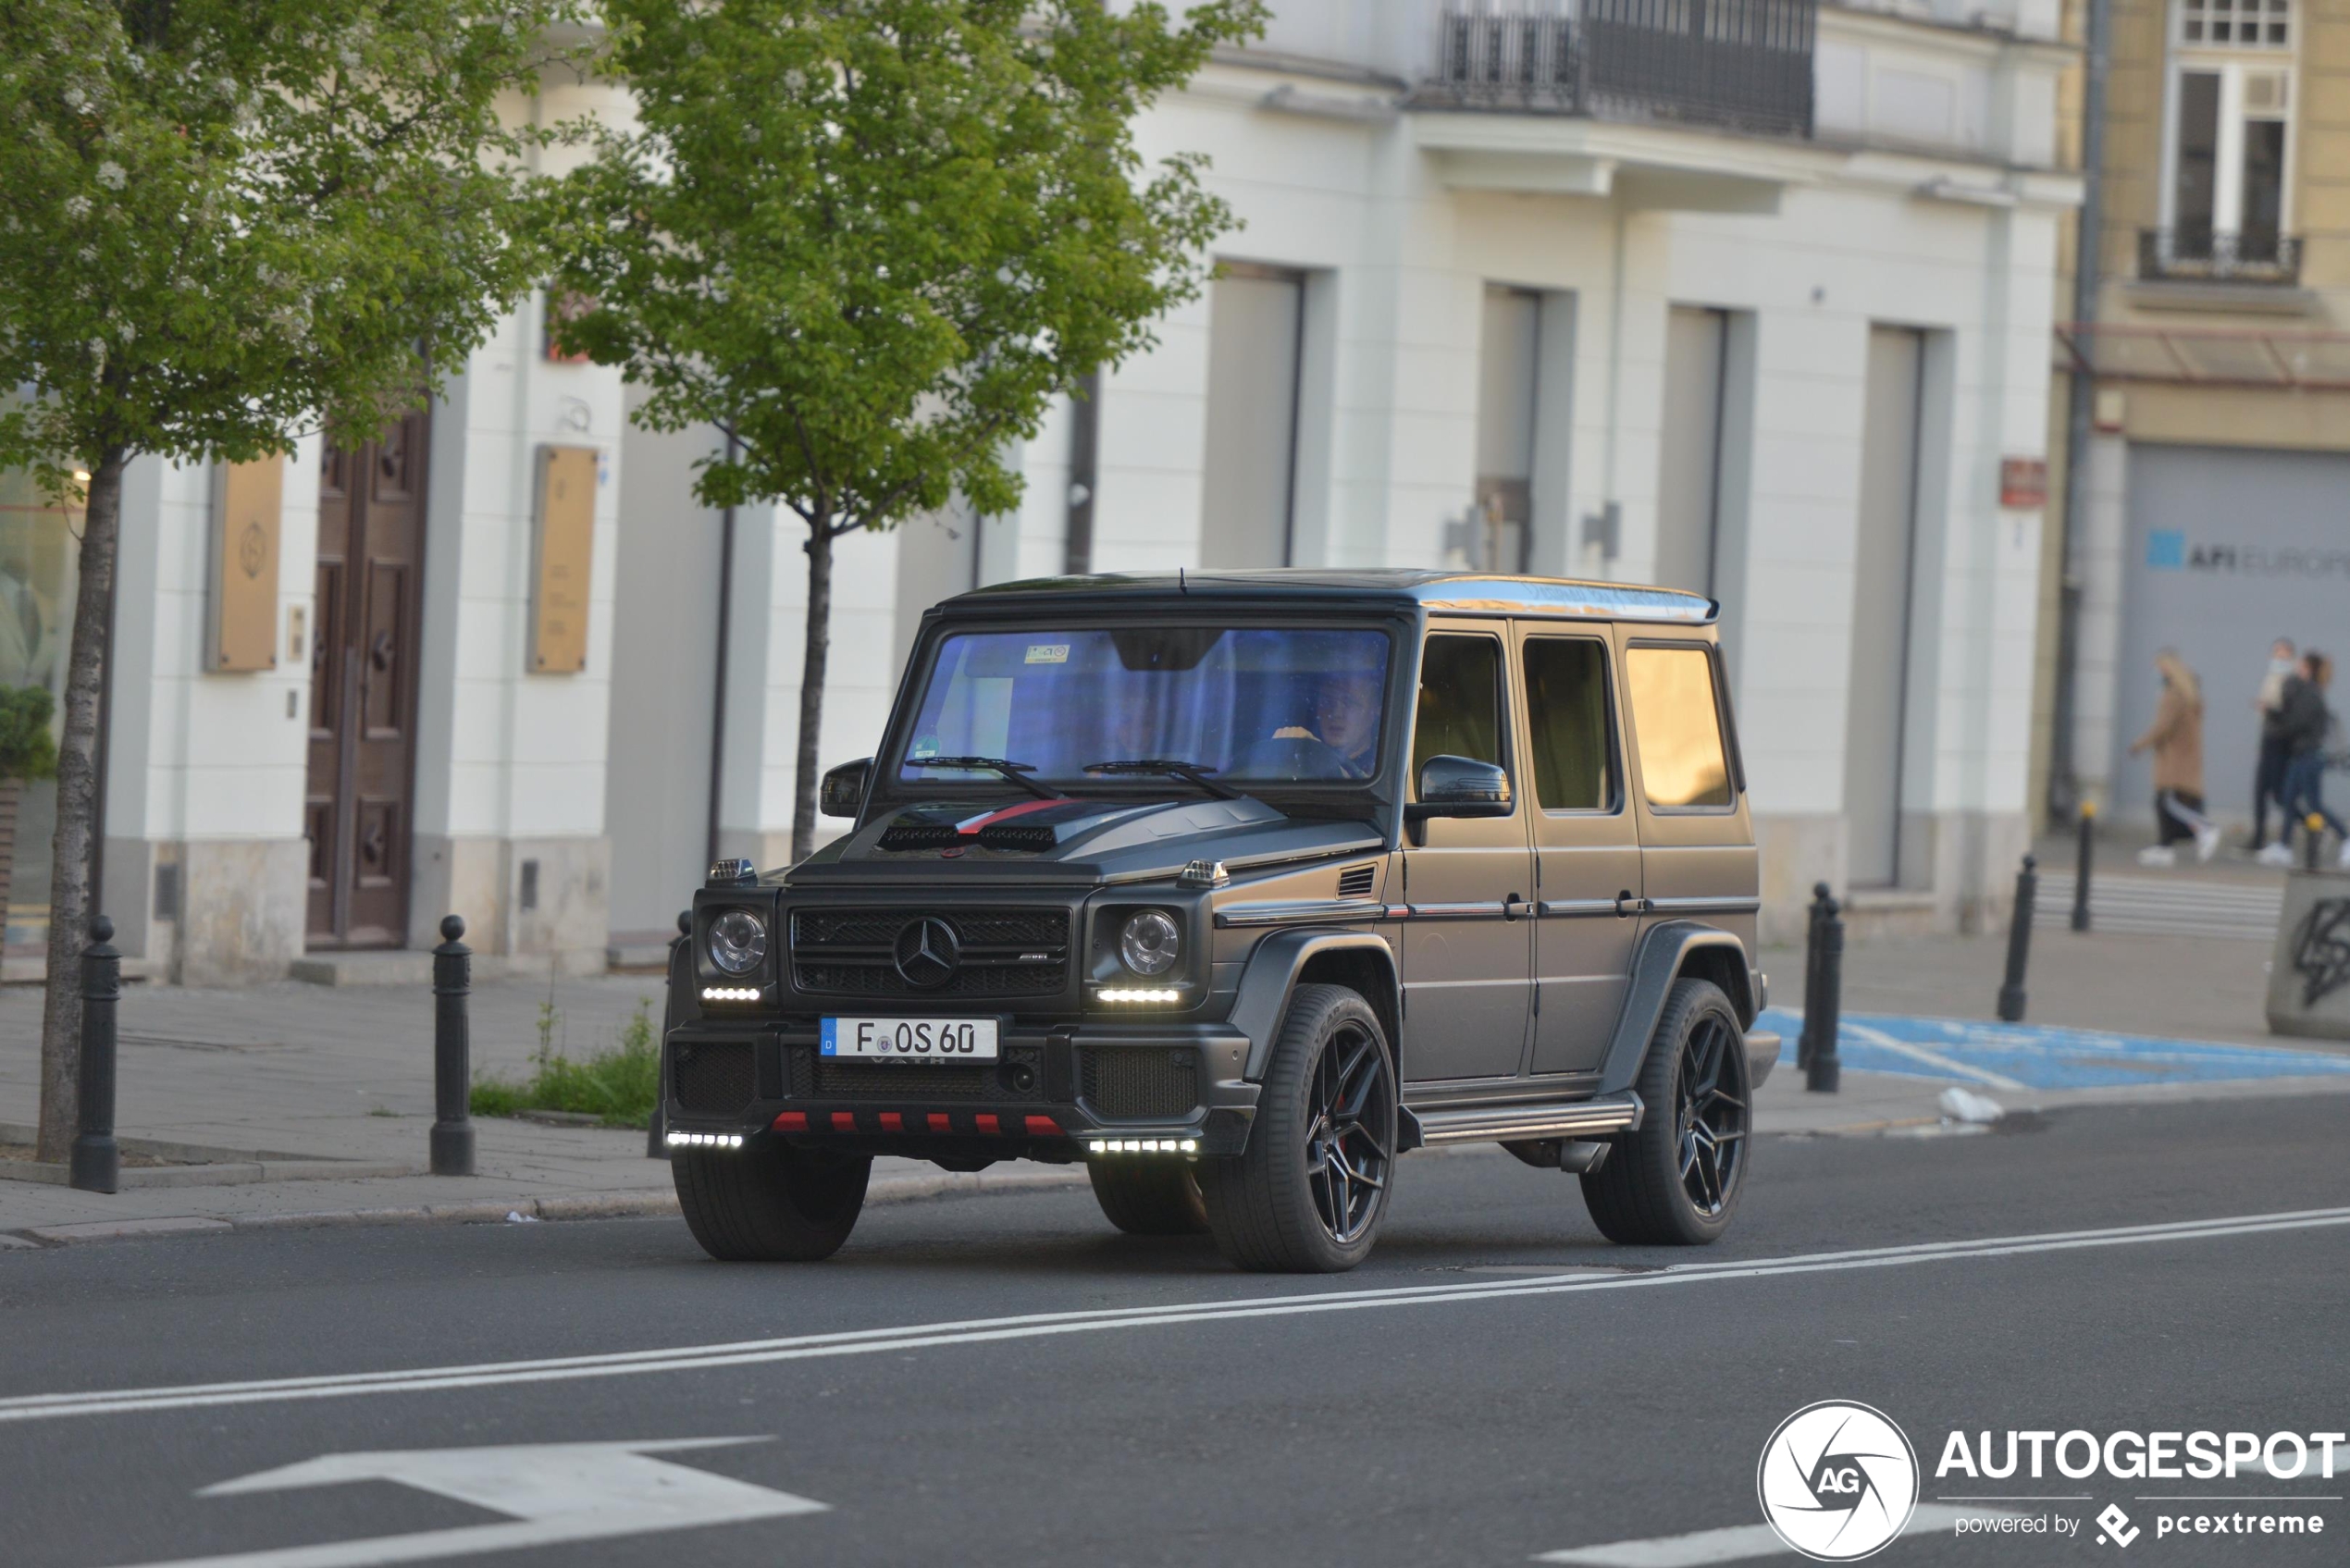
point(1676, 723)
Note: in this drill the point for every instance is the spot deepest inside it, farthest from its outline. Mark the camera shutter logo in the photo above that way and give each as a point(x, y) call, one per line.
point(1837, 1480)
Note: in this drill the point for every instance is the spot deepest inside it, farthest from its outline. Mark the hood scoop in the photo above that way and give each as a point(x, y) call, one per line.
point(1031, 827)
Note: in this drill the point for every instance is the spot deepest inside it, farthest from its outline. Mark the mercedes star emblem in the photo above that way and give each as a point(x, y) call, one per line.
point(927, 953)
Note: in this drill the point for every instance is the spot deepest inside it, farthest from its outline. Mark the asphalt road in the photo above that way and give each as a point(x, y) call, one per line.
point(1460, 1400)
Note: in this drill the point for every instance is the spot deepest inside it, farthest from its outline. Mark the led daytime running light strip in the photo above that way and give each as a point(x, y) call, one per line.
point(1139, 994)
point(1143, 1146)
point(705, 1139)
point(730, 994)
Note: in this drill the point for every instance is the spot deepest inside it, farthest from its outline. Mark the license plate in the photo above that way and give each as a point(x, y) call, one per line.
point(910, 1040)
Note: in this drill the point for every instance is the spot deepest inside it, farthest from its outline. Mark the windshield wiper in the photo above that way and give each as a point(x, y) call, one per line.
point(1170, 767)
point(1016, 771)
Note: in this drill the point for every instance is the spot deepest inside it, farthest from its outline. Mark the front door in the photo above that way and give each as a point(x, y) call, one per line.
point(1468, 945)
point(363, 687)
point(1586, 852)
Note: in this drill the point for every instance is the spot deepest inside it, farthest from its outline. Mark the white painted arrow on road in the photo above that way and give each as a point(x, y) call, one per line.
point(554, 1492)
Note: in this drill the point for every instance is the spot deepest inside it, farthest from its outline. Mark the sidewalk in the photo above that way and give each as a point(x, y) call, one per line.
point(313, 1074)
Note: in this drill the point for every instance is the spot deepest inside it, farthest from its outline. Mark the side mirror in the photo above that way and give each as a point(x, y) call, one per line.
point(842, 791)
point(1457, 786)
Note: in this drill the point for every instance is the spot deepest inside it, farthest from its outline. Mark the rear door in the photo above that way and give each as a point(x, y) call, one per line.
point(1587, 848)
point(1467, 944)
point(1689, 786)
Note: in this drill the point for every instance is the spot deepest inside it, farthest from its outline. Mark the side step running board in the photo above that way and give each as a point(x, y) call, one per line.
point(1510, 1124)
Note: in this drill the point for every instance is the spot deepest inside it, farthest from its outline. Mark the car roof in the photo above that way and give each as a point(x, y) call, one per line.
point(1476, 593)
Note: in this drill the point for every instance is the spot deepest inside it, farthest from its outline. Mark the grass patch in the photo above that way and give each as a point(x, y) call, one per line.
point(618, 1085)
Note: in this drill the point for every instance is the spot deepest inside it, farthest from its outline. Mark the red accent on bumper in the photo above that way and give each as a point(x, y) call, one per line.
point(941, 1122)
point(844, 1121)
point(792, 1121)
point(1044, 1126)
point(987, 1124)
point(892, 1122)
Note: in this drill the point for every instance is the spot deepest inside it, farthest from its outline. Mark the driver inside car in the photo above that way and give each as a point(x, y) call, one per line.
point(1344, 717)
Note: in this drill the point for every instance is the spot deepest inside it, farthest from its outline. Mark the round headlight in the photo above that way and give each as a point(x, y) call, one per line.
point(1151, 943)
point(738, 941)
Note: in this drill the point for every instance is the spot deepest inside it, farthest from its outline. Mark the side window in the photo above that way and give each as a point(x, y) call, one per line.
point(1460, 702)
point(1566, 699)
point(1678, 726)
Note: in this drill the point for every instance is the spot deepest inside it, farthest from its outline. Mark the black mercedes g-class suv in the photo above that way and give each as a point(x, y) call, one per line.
point(1236, 887)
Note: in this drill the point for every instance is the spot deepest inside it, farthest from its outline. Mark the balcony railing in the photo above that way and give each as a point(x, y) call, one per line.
point(1741, 64)
point(2206, 256)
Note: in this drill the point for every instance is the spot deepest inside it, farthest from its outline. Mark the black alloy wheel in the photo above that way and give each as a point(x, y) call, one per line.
point(1307, 1194)
point(1677, 1181)
point(1349, 1150)
point(1710, 1112)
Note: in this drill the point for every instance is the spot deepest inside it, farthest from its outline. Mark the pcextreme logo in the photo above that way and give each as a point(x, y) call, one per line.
point(1837, 1480)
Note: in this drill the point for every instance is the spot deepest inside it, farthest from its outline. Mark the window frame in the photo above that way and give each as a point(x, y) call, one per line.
point(2232, 63)
point(1504, 712)
point(889, 790)
point(1619, 790)
point(1724, 730)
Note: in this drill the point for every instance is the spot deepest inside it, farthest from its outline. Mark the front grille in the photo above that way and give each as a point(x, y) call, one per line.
point(1005, 953)
point(712, 1078)
point(882, 978)
point(1150, 1080)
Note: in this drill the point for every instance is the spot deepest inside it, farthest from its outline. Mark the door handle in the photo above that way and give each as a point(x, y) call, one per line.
point(1512, 906)
point(1628, 905)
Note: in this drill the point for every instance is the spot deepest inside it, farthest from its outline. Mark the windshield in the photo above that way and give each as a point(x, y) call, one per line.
point(1244, 704)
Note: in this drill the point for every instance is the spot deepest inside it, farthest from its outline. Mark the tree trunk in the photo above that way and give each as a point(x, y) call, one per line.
point(77, 812)
point(811, 685)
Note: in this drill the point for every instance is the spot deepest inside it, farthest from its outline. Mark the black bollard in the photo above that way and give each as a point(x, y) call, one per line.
point(1823, 1008)
point(2313, 828)
point(656, 1130)
point(2081, 870)
point(96, 1164)
point(452, 1079)
point(2027, 889)
point(1809, 1037)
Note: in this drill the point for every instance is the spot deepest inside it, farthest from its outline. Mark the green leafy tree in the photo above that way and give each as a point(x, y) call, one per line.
point(870, 240)
point(27, 749)
point(224, 223)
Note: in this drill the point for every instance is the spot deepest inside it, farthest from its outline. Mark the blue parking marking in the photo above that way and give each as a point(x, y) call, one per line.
point(2001, 1055)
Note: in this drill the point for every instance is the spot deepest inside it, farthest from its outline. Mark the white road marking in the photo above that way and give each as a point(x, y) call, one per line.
point(912, 1337)
point(1734, 1544)
point(554, 1491)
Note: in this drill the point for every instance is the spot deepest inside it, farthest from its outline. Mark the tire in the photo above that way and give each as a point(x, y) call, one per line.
point(768, 1202)
point(1271, 1208)
point(1149, 1197)
point(1676, 1181)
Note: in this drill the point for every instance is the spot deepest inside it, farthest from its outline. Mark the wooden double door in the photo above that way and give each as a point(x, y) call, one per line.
point(363, 687)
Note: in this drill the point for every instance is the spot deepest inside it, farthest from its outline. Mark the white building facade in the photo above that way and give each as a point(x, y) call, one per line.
point(1746, 296)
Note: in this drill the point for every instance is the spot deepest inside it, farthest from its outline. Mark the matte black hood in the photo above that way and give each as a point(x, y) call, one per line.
point(1071, 840)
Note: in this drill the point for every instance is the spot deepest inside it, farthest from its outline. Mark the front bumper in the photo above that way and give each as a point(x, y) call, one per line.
point(1053, 1091)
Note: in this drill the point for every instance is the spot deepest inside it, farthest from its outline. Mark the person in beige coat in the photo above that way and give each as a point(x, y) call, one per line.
point(2176, 739)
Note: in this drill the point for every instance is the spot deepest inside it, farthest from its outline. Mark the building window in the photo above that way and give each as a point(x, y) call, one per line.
point(2226, 198)
point(39, 582)
point(2242, 24)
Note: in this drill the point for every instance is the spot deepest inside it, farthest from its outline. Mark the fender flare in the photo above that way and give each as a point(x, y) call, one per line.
point(1271, 976)
point(1664, 948)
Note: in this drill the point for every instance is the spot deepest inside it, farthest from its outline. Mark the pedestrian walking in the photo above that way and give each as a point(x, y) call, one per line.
point(2176, 739)
point(2268, 776)
point(2306, 723)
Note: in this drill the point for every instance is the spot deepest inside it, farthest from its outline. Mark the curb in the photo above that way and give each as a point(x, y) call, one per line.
point(913, 1187)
